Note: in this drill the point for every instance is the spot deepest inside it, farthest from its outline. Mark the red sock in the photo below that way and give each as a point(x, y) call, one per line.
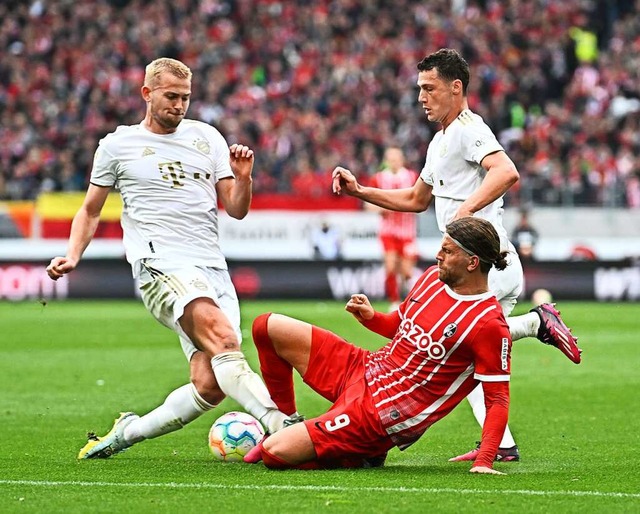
point(391, 287)
point(273, 462)
point(276, 372)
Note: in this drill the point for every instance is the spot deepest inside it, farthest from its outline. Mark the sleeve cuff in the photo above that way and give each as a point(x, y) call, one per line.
point(492, 378)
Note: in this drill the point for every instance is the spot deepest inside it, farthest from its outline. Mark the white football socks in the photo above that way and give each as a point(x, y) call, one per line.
point(476, 400)
point(181, 407)
point(238, 381)
point(525, 325)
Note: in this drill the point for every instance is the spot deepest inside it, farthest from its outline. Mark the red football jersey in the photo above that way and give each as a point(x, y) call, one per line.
point(397, 224)
point(421, 375)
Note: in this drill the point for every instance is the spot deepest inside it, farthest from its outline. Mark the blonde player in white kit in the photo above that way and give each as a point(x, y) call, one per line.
point(468, 173)
point(171, 172)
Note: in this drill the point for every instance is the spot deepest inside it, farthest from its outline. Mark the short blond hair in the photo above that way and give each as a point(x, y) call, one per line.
point(158, 66)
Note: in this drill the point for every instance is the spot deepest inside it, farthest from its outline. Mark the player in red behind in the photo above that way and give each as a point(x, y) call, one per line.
point(448, 335)
point(398, 230)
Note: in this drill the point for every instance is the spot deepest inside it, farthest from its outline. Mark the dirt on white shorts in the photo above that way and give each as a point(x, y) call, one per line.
point(507, 284)
point(167, 288)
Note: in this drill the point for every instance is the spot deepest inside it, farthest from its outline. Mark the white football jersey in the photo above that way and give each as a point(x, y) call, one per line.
point(167, 183)
point(453, 169)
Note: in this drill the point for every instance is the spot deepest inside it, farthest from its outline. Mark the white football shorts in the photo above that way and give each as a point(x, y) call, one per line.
point(507, 284)
point(166, 288)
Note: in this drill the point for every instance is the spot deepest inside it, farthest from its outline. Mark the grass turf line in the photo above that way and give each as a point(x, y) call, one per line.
point(69, 367)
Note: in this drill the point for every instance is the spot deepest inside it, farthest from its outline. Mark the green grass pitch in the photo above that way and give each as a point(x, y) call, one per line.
point(69, 367)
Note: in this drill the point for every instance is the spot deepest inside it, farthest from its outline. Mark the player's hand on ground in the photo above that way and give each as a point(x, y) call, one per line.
point(485, 470)
point(60, 266)
point(344, 180)
point(360, 307)
point(241, 158)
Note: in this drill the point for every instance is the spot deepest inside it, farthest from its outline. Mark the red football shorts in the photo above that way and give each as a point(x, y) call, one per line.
point(352, 426)
point(407, 248)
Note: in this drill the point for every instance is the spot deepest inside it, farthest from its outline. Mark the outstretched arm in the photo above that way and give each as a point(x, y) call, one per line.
point(410, 199)
point(83, 227)
point(235, 195)
point(496, 397)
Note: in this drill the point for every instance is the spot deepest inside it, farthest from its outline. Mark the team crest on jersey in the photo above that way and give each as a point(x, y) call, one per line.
point(450, 329)
point(199, 284)
point(202, 145)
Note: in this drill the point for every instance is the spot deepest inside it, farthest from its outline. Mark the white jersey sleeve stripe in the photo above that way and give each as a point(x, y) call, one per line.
point(492, 378)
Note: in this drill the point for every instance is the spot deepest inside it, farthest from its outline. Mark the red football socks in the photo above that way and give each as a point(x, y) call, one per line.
point(276, 372)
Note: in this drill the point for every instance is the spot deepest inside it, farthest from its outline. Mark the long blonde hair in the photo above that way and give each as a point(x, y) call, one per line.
point(477, 236)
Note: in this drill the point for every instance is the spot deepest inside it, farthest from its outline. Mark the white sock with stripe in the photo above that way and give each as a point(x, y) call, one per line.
point(238, 381)
point(181, 407)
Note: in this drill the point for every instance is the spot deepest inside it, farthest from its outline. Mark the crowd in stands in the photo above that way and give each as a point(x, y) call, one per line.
point(313, 84)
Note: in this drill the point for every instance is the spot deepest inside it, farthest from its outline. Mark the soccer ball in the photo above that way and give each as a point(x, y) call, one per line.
point(233, 435)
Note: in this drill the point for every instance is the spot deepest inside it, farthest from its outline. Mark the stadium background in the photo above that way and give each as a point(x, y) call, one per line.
point(310, 85)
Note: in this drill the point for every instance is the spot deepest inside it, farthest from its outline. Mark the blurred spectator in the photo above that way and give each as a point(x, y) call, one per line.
point(524, 237)
point(559, 81)
point(306, 182)
point(326, 242)
point(583, 253)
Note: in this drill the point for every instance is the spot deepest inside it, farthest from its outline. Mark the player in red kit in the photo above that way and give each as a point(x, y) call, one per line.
point(448, 335)
point(467, 173)
point(398, 230)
